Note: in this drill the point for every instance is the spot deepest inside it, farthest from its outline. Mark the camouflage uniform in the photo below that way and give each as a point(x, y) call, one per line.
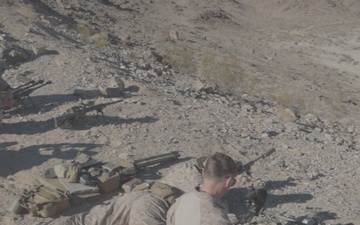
point(198, 208)
point(3, 86)
point(137, 208)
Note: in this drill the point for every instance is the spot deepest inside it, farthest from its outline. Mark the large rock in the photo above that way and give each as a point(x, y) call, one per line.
point(15, 54)
point(39, 49)
point(194, 85)
point(113, 89)
point(287, 115)
point(152, 56)
point(197, 85)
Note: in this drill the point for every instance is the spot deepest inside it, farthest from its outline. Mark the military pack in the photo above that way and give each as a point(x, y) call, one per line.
point(85, 179)
point(44, 201)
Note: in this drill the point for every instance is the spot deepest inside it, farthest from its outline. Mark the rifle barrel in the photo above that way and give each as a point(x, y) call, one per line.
point(27, 90)
point(23, 85)
point(26, 86)
point(152, 160)
point(247, 166)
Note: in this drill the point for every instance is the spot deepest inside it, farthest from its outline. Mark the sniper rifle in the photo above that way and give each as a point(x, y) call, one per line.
point(200, 162)
point(76, 113)
point(19, 93)
point(131, 168)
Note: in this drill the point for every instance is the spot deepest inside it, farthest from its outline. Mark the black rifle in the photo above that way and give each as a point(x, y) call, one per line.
point(77, 113)
point(255, 200)
point(131, 168)
point(247, 167)
point(201, 161)
point(25, 90)
point(152, 160)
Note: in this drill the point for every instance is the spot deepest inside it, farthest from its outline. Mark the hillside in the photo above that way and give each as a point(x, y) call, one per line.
point(238, 76)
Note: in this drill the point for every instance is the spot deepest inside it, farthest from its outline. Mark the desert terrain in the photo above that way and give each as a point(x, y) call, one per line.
point(236, 76)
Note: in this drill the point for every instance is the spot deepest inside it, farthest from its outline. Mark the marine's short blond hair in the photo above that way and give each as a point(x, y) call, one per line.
point(219, 165)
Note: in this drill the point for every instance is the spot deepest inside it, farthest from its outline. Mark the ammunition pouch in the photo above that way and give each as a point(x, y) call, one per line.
point(163, 191)
point(109, 181)
point(45, 202)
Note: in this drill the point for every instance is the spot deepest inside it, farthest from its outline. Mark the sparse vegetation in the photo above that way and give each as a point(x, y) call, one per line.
point(289, 100)
point(181, 57)
point(26, 11)
point(132, 55)
point(100, 40)
point(225, 72)
point(84, 30)
point(97, 40)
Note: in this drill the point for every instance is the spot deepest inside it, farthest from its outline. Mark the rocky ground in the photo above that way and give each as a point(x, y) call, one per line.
point(239, 77)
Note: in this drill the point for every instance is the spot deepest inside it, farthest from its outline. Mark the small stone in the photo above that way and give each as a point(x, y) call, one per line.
point(173, 35)
point(351, 129)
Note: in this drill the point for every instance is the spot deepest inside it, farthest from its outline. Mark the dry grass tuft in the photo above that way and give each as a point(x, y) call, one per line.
point(84, 30)
point(180, 56)
point(225, 72)
point(26, 11)
point(96, 39)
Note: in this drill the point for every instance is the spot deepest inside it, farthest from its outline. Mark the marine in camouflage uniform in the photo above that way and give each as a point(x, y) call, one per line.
point(198, 208)
point(137, 208)
point(204, 206)
point(6, 100)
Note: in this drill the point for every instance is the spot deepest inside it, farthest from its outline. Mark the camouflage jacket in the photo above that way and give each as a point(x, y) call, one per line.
point(198, 208)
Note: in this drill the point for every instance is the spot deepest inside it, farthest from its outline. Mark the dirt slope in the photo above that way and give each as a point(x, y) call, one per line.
point(253, 58)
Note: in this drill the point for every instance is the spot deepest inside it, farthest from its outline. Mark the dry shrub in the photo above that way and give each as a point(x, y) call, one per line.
point(97, 40)
point(181, 57)
point(225, 72)
point(84, 30)
point(100, 40)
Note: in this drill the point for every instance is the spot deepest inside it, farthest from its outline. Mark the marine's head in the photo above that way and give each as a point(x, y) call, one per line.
point(219, 174)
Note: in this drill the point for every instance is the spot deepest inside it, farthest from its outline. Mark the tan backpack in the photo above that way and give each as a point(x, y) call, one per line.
point(44, 201)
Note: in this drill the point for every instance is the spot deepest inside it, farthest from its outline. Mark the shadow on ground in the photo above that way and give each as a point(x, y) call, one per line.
point(13, 161)
point(46, 103)
point(275, 200)
point(37, 127)
point(151, 172)
point(278, 184)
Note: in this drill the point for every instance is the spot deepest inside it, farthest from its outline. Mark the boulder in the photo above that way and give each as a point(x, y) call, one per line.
point(197, 85)
point(15, 54)
point(113, 89)
point(39, 49)
point(287, 115)
point(152, 56)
